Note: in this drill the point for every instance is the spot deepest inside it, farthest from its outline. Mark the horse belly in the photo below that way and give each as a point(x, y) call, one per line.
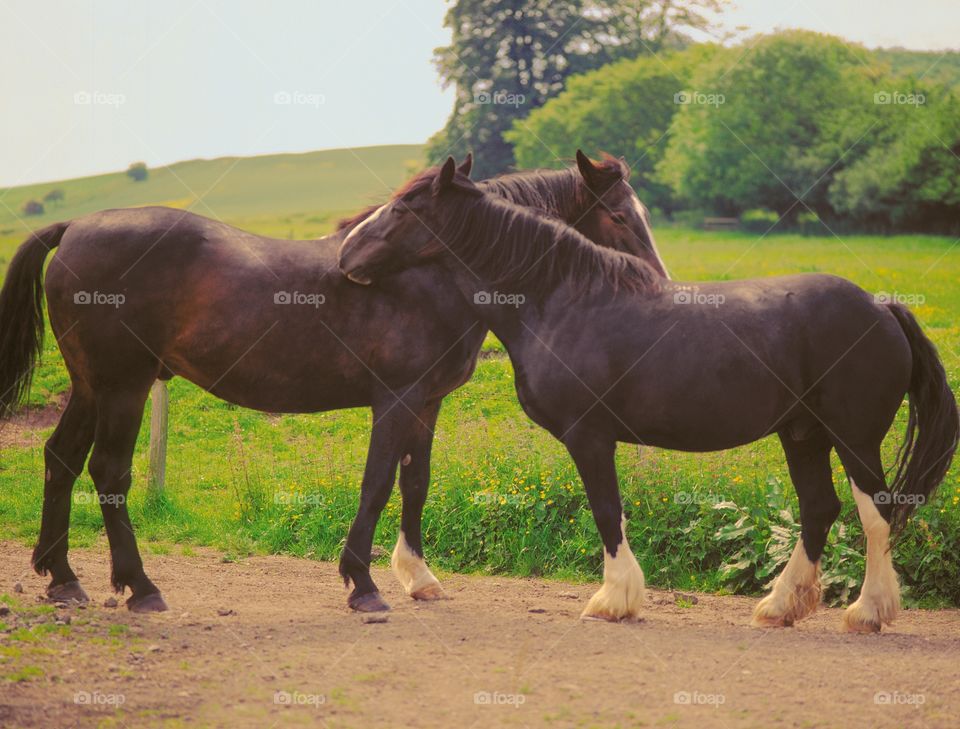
point(706, 416)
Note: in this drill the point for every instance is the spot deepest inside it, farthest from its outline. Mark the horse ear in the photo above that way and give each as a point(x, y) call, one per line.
point(625, 166)
point(466, 165)
point(587, 168)
point(442, 181)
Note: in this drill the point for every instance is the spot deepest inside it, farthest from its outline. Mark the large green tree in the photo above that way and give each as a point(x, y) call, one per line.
point(910, 176)
point(507, 57)
point(773, 124)
point(624, 109)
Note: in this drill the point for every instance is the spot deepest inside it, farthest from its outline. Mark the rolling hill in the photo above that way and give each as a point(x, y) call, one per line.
point(273, 190)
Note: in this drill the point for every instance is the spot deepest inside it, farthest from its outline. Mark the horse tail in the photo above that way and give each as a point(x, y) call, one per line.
point(21, 316)
point(933, 425)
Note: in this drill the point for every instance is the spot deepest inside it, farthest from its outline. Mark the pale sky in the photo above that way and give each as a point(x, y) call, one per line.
point(92, 85)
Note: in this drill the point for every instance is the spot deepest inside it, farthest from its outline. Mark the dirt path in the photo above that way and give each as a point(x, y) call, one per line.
point(28, 426)
point(501, 652)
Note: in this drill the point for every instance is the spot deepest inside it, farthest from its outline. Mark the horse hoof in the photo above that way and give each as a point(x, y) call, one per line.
point(151, 603)
point(371, 602)
point(608, 618)
point(855, 622)
point(767, 615)
point(428, 593)
point(66, 592)
point(770, 621)
point(866, 616)
point(865, 628)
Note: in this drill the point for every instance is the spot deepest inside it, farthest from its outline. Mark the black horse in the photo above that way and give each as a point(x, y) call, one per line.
point(604, 350)
point(140, 294)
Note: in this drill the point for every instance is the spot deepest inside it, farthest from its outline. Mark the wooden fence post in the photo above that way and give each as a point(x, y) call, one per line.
point(160, 405)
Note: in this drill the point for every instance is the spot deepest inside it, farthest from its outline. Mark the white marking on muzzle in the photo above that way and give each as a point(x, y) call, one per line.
point(373, 216)
point(653, 246)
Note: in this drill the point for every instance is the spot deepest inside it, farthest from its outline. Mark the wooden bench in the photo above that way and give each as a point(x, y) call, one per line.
point(721, 223)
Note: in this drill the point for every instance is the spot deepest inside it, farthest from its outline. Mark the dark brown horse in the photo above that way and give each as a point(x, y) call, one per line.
point(604, 351)
point(140, 294)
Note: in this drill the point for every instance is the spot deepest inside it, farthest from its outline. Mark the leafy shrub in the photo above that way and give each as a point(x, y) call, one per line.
point(33, 207)
point(758, 220)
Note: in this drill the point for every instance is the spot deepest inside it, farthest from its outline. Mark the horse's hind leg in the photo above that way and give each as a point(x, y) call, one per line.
point(64, 455)
point(118, 422)
point(407, 560)
point(879, 599)
point(796, 591)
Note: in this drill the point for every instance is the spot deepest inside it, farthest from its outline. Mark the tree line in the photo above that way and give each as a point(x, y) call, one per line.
point(780, 129)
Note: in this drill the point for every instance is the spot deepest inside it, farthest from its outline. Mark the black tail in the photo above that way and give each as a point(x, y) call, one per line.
point(933, 426)
point(21, 316)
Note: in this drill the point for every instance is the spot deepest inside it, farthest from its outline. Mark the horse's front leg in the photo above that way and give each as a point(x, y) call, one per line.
point(393, 419)
point(407, 560)
point(622, 595)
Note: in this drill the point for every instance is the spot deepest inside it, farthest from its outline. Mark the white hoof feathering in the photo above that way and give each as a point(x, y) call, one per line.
point(795, 593)
point(879, 600)
point(413, 573)
point(622, 595)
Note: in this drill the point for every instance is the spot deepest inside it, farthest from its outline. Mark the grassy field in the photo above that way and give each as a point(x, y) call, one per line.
point(505, 497)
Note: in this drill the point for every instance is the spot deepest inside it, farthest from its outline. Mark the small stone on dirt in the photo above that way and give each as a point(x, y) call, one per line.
point(18, 588)
point(224, 612)
point(154, 649)
point(65, 620)
point(536, 610)
point(4, 610)
point(569, 595)
point(370, 618)
point(110, 602)
point(377, 552)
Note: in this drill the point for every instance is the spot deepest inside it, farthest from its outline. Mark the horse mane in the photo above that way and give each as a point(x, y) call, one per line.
point(355, 220)
point(560, 194)
point(515, 247)
point(555, 193)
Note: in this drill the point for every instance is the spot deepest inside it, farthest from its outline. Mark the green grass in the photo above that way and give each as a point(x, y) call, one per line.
point(504, 496)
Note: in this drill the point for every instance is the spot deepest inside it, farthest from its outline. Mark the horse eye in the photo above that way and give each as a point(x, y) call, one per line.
point(618, 218)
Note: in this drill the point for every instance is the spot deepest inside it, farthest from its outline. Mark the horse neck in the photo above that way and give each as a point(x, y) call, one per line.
point(510, 324)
